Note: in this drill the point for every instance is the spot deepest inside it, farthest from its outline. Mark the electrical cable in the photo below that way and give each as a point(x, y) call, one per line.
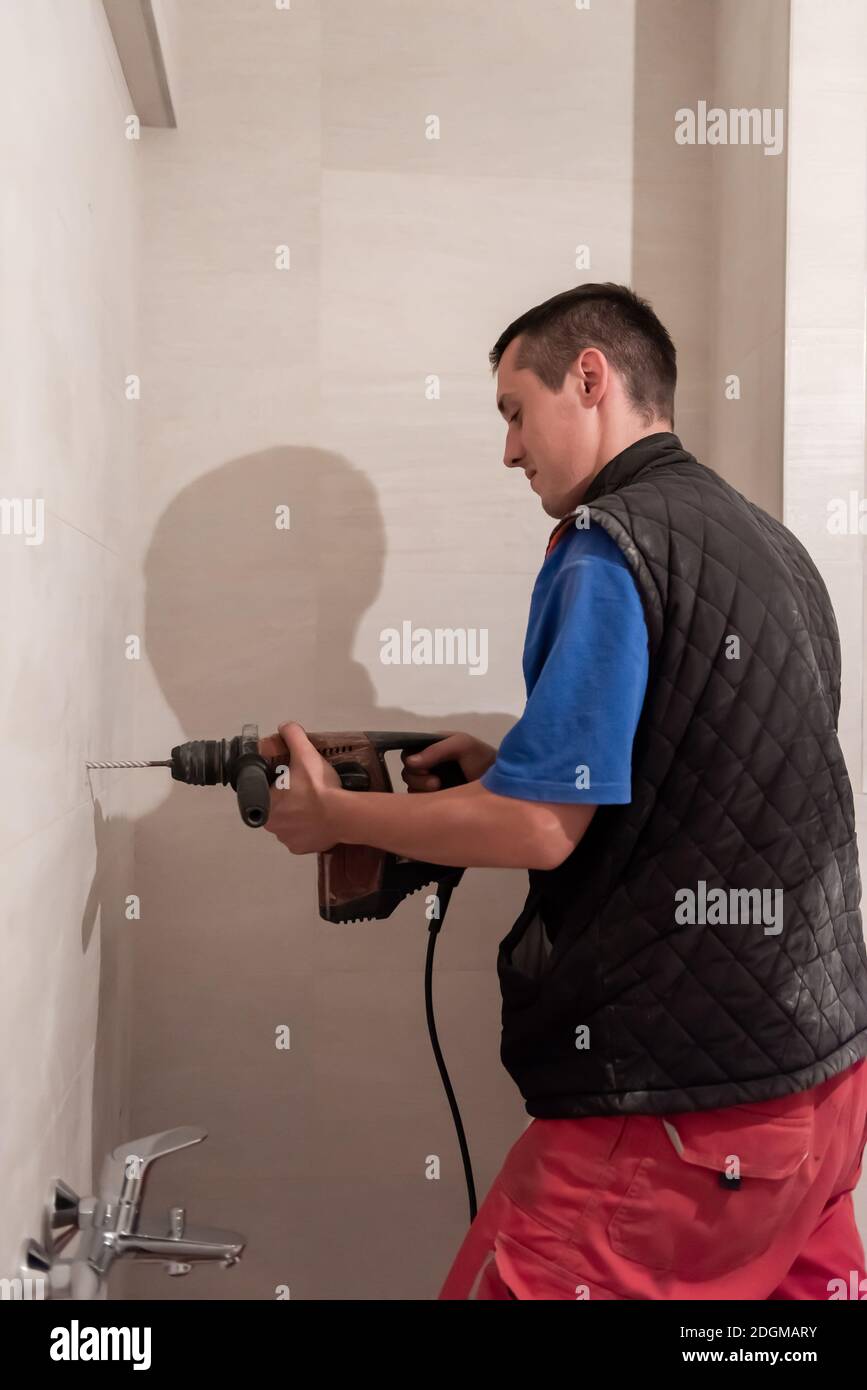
point(444, 893)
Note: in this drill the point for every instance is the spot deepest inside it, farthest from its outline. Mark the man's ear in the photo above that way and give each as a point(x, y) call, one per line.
point(591, 372)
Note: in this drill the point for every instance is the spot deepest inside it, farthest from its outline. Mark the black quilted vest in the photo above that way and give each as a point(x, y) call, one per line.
point(738, 782)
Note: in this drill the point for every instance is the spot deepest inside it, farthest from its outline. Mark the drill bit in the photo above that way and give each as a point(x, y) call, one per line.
point(164, 764)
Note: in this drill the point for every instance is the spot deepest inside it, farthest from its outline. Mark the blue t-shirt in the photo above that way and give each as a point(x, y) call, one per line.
point(585, 669)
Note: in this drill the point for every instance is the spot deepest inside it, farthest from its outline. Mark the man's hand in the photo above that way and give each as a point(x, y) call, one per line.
point(301, 814)
point(474, 757)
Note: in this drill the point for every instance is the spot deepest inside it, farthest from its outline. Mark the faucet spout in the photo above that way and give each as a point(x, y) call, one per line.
point(198, 1243)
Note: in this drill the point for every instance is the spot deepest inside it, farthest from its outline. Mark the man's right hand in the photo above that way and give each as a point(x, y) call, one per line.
point(474, 757)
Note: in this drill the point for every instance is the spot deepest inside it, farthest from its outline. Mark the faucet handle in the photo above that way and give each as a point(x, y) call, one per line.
point(166, 1141)
point(127, 1164)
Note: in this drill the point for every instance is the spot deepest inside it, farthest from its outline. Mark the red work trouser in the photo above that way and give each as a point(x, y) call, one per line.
point(640, 1207)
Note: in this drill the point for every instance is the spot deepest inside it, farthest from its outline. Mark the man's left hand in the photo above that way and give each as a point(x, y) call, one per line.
point(300, 813)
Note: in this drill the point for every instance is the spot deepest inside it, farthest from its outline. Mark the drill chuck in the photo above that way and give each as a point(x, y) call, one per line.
point(210, 762)
point(203, 762)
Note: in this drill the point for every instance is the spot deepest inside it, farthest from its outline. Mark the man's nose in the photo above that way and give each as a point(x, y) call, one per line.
point(513, 456)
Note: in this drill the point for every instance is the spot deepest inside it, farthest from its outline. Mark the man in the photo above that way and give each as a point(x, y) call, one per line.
point(685, 990)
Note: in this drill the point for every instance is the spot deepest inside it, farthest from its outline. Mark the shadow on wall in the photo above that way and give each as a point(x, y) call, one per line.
point(248, 623)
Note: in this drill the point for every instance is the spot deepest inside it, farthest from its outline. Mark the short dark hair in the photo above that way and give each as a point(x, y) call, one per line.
point(605, 316)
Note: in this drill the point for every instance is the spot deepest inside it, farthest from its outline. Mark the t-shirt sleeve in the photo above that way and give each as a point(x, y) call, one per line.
point(573, 743)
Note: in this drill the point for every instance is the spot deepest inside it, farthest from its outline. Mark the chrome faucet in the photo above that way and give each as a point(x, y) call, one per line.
point(108, 1229)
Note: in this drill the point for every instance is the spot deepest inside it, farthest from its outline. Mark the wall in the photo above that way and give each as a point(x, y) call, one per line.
point(748, 236)
point(673, 244)
point(826, 325)
point(710, 227)
point(310, 387)
point(67, 340)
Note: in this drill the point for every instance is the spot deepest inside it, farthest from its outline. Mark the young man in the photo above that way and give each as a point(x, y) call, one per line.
point(685, 990)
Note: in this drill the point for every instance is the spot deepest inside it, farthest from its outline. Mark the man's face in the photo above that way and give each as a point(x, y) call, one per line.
point(550, 435)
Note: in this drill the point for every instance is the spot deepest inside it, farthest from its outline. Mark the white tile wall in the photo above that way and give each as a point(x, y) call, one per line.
point(67, 339)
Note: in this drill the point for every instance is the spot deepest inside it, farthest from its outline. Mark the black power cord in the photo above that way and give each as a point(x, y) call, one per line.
point(444, 893)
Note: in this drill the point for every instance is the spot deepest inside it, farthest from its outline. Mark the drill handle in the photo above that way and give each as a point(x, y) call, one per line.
point(254, 793)
point(449, 773)
point(251, 776)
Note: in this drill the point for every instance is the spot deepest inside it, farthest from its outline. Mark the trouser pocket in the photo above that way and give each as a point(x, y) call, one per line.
point(713, 1189)
point(529, 1275)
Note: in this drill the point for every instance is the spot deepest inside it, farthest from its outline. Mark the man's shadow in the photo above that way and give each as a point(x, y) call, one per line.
point(317, 1152)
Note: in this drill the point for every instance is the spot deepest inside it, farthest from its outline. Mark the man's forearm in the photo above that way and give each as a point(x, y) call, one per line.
point(463, 826)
